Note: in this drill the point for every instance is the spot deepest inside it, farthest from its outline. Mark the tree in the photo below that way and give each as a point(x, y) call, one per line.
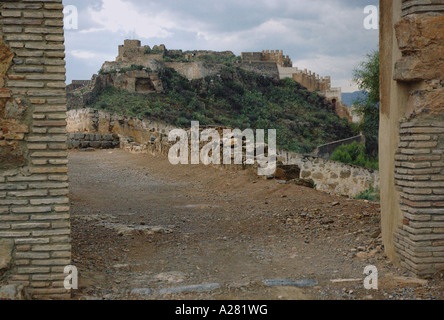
point(366, 76)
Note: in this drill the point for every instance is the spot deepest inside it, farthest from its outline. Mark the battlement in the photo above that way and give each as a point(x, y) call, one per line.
point(132, 44)
point(133, 49)
point(76, 84)
point(275, 56)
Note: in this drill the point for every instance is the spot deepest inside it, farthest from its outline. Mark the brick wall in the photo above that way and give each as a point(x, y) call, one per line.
point(34, 204)
point(420, 181)
point(412, 133)
point(421, 6)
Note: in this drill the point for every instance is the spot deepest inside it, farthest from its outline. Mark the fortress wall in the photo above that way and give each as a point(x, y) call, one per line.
point(285, 73)
point(34, 205)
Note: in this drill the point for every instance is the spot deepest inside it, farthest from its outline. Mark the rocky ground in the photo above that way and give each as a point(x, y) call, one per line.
point(144, 229)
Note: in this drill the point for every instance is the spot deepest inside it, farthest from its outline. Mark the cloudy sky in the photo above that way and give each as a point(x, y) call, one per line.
point(325, 36)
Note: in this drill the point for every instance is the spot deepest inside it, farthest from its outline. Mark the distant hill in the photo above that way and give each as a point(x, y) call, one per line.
point(235, 98)
point(350, 98)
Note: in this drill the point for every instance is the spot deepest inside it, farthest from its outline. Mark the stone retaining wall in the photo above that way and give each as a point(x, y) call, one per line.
point(331, 176)
point(92, 140)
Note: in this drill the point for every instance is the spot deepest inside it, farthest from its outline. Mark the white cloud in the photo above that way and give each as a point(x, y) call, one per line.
point(119, 16)
point(326, 37)
point(82, 54)
point(90, 55)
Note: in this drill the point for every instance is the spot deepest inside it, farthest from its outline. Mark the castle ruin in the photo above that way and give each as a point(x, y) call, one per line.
point(190, 64)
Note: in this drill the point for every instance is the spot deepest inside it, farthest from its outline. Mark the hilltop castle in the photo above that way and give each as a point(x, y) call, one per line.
point(136, 70)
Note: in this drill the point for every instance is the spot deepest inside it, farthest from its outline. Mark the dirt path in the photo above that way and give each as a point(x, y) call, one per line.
point(143, 229)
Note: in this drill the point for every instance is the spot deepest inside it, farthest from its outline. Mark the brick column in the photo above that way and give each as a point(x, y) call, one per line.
point(34, 204)
point(412, 133)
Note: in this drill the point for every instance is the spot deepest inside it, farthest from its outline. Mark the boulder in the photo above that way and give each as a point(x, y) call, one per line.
point(309, 183)
point(287, 172)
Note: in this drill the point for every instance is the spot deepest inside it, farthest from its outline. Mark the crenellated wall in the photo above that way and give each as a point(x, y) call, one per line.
point(34, 205)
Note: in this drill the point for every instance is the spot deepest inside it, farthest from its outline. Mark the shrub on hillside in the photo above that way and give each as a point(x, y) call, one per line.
point(370, 195)
point(239, 99)
point(355, 154)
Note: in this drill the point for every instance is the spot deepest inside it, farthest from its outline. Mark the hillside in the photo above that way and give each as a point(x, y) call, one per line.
point(235, 98)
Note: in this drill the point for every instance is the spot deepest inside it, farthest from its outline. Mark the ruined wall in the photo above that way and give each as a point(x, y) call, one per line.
point(308, 79)
point(101, 122)
point(274, 56)
point(89, 141)
point(193, 70)
point(331, 176)
point(412, 133)
point(34, 204)
point(76, 84)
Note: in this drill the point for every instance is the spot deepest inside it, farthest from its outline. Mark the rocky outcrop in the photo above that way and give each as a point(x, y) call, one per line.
point(421, 41)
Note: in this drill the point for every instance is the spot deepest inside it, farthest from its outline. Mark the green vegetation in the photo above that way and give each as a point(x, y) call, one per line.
point(174, 56)
point(366, 75)
point(153, 51)
point(370, 195)
point(123, 70)
point(239, 99)
point(355, 154)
